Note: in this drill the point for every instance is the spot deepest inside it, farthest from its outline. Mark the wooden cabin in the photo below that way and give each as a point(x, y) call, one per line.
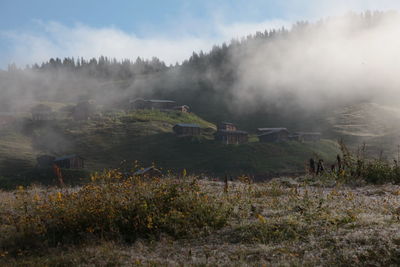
point(137, 104)
point(295, 137)
point(160, 104)
point(226, 126)
point(274, 135)
point(41, 113)
point(183, 129)
point(231, 137)
point(70, 162)
point(183, 109)
point(309, 136)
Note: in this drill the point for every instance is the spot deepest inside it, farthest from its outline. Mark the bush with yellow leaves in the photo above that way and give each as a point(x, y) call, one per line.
point(111, 207)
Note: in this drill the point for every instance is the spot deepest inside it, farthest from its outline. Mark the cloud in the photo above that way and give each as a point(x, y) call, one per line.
point(54, 39)
point(57, 40)
point(346, 59)
point(177, 40)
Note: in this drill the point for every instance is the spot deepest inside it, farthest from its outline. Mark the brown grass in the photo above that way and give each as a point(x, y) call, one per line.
point(270, 224)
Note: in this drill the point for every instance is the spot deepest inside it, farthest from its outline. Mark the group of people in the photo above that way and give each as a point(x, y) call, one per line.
point(318, 168)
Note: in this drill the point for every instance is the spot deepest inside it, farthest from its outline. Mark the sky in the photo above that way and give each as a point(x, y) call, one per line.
point(34, 31)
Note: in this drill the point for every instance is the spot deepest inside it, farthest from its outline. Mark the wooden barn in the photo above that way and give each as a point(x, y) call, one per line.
point(45, 161)
point(161, 104)
point(226, 126)
point(273, 135)
point(184, 108)
point(231, 137)
point(136, 104)
point(70, 162)
point(295, 137)
point(184, 129)
point(42, 113)
point(309, 136)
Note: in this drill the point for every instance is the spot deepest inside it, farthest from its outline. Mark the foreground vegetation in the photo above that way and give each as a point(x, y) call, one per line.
point(117, 220)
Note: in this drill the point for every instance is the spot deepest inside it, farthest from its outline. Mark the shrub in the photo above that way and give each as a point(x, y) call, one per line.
point(111, 207)
point(375, 171)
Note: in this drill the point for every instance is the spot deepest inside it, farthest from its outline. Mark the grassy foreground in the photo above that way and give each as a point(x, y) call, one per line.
point(115, 221)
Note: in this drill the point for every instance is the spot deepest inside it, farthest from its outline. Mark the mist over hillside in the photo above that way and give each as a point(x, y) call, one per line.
point(292, 78)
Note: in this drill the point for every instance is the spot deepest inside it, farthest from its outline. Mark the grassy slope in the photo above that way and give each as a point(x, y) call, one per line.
point(16, 151)
point(147, 136)
point(373, 124)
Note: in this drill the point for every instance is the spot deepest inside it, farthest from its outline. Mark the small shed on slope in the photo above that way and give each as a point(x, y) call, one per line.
point(70, 162)
point(183, 108)
point(184, 129)
point(231, 137)
point(226, 126)
point(274, 135)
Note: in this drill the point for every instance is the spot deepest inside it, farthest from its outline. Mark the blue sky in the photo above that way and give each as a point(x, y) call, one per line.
point(32, 31)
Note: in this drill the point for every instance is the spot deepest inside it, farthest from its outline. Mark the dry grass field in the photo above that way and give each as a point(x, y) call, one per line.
point(284, 222)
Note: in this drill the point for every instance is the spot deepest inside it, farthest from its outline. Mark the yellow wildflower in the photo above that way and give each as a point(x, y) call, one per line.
point(261, 218)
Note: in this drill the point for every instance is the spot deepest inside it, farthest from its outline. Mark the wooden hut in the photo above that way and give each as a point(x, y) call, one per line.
point(183, 108)
point(161, 104)
point(70, 162)
point(183, 129)
point(41, 113)
point(226, 126)
point(231, 137)
point(295, 137)
point(273, 135)
point(136, 104)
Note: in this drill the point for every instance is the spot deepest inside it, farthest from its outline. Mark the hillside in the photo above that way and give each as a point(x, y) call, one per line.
point(372, 124)
point(117, 138)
